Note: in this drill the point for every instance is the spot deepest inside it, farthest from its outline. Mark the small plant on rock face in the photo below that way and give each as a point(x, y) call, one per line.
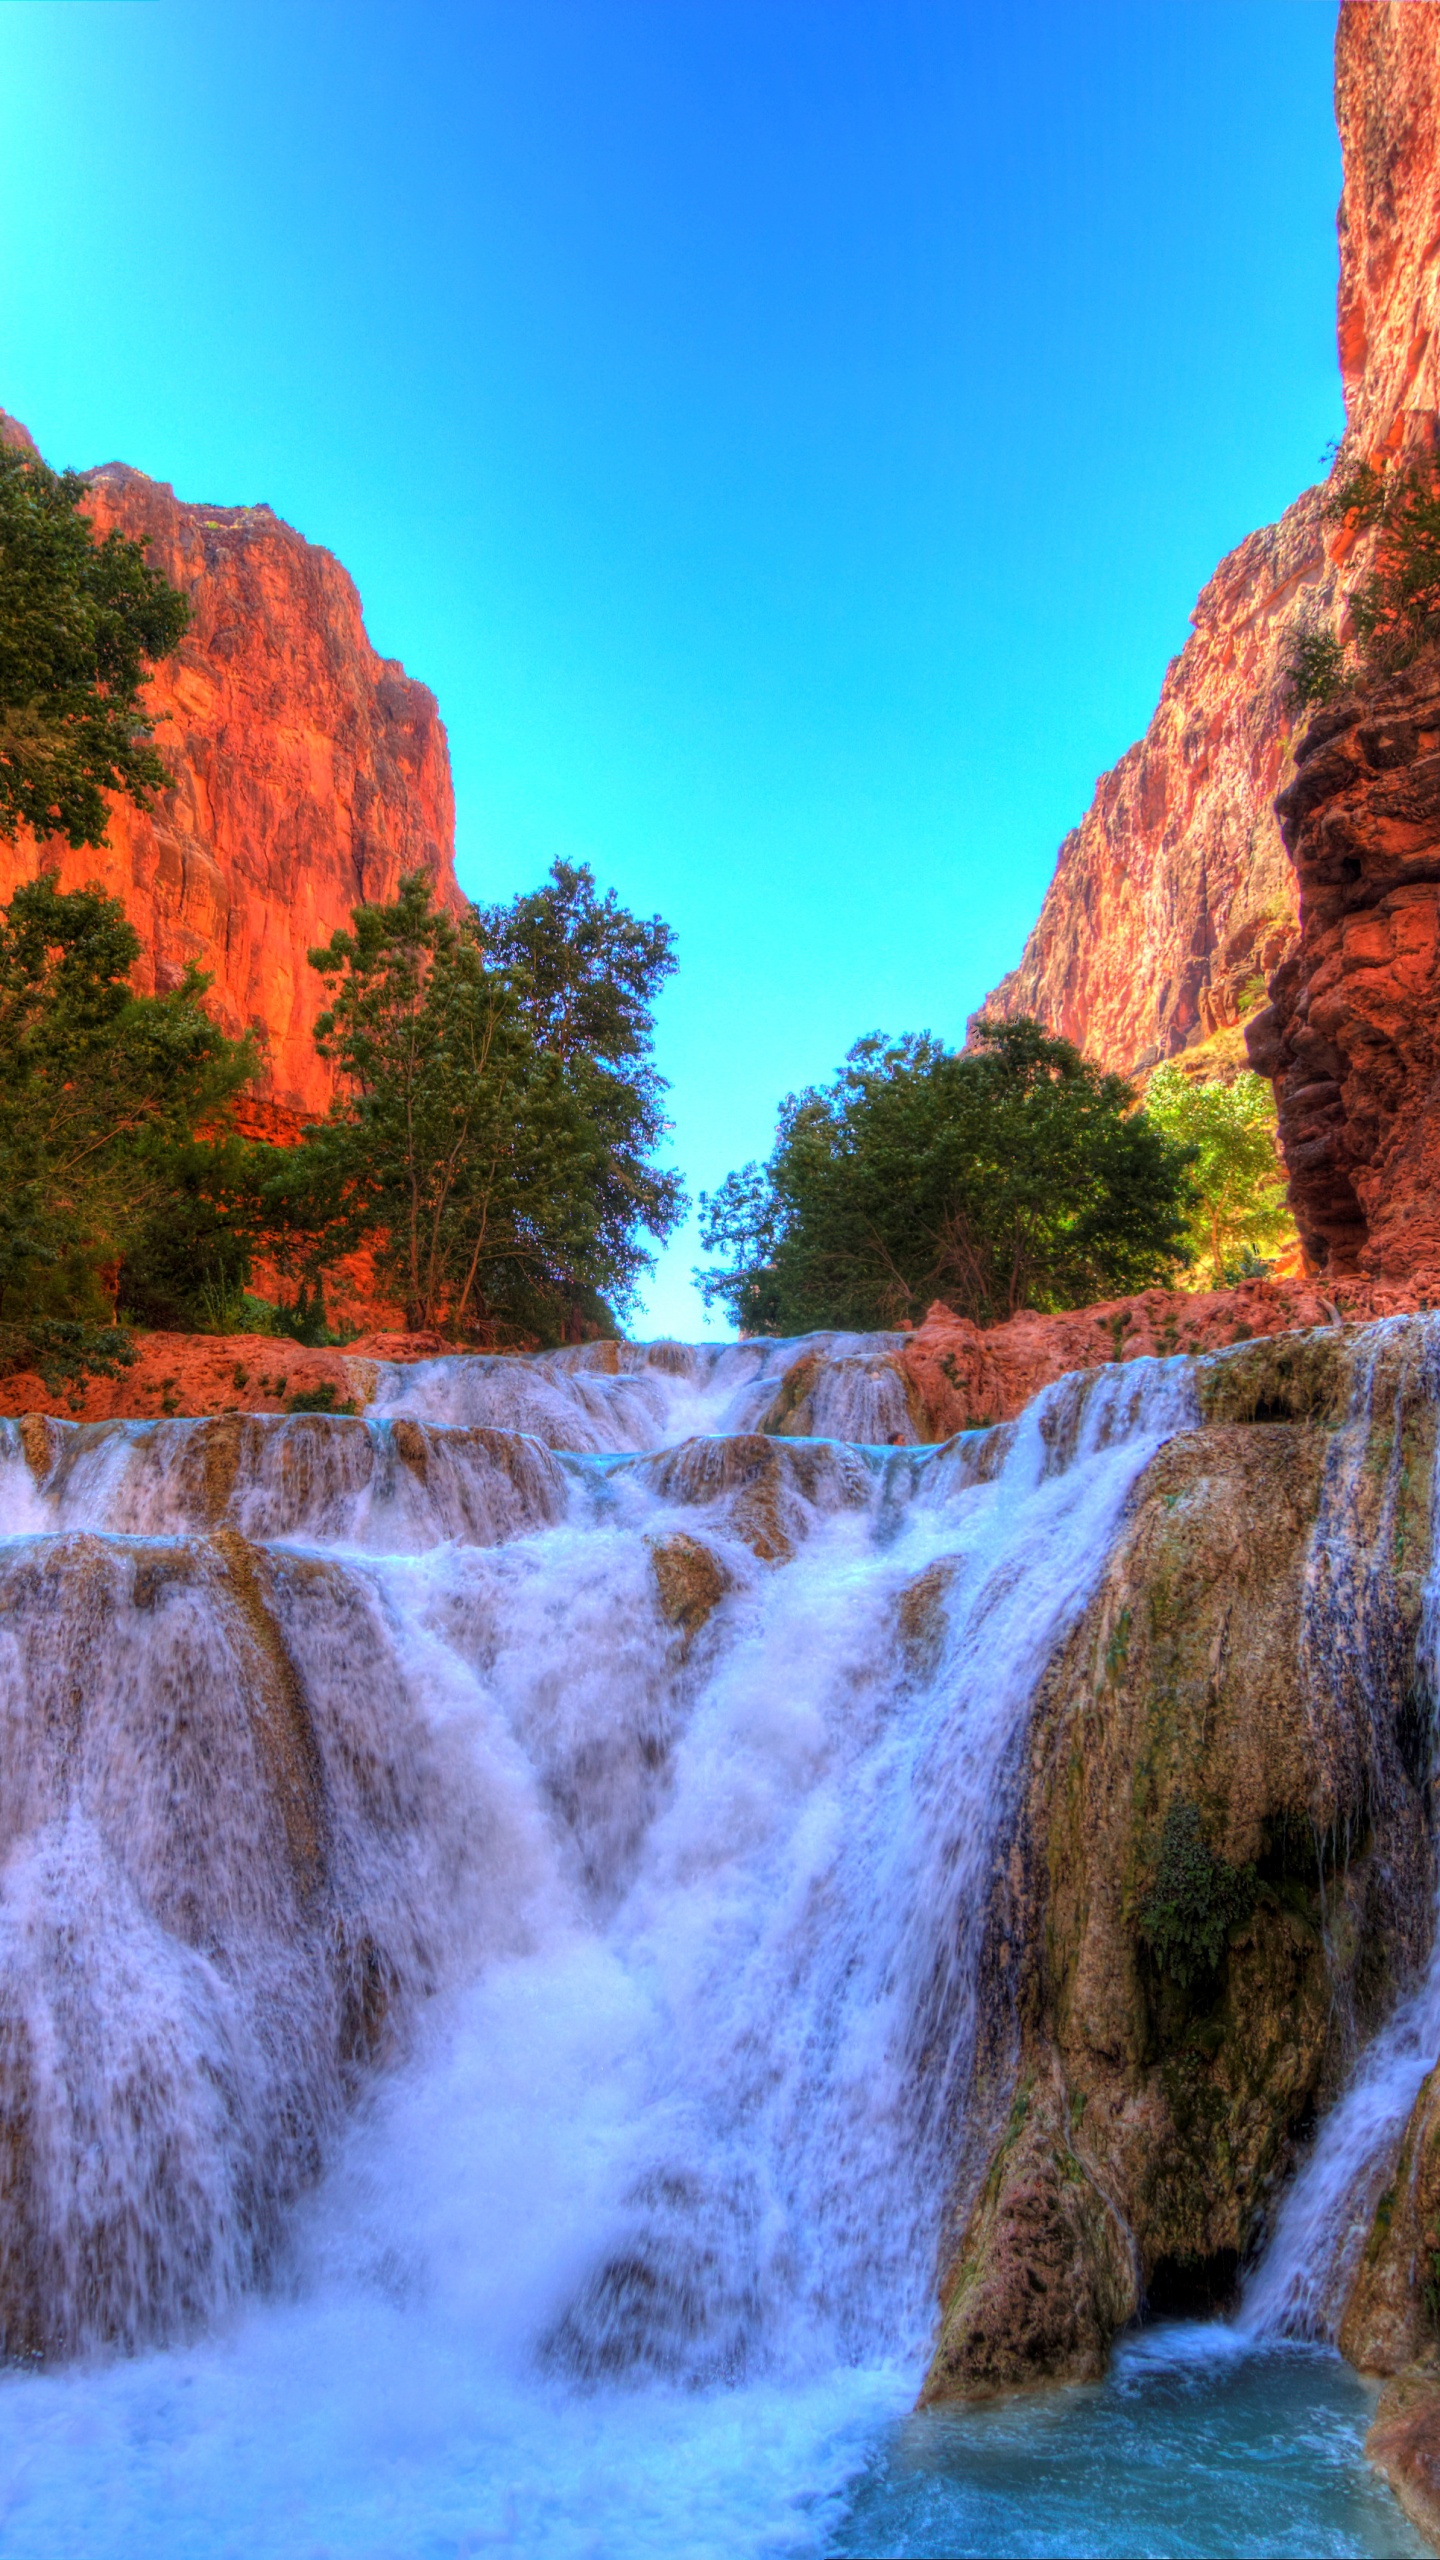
point(1315, 667)
point(1395, 610)
point(1198, 1899)
point(319, 1399)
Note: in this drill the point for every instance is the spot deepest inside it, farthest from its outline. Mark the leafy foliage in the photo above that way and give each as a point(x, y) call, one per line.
point(489, 1137)
point(1395, 611)
point(1014, 1174)
point(79, 620)
point(1315, 667)
point(1198, 1899)
point(1239, 1207)
point(101, 1094)
point(587, 974)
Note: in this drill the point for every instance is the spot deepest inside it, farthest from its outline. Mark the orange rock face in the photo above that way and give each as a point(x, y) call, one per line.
point(205, 1373)
point(959, 1377)
point(1352, 1035)
point(309, 773)
point(1174, 898)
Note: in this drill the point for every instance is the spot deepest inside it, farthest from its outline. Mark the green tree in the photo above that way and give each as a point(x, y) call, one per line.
point(80, 619)
point(587, 973)
point(1239, 1210)
point(102, 1093)
point(462, 1143)
point(1014, 1174)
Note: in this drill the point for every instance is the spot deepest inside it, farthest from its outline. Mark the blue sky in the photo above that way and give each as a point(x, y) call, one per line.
point(789, 435)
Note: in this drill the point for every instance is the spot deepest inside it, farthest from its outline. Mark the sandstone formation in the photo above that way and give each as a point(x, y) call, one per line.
point(208, 1373)
point(1352, 1032)
point(309, 773)
point(1152, 2118)
point(959, 1378)
point(1173, 899)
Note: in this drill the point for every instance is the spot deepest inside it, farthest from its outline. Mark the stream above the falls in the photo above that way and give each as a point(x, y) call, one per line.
point(493, 1929)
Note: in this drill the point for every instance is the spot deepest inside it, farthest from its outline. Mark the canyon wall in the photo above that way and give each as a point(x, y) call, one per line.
point(1174, 899)
point(308, 773)
point(1352, 1032)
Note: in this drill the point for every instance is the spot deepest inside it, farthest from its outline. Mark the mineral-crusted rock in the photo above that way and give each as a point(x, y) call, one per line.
point(309, 773)
point(1200, 1677)
point(1404, 2445)
point(691, 1581)
point(1046, 2275)
point(1352, 1032)
point(961, 1377)
point(1173, 899)
point(1390, 2318)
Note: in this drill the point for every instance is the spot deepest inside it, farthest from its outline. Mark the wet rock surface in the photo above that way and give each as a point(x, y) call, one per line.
point(1404, 2445)
point(1248, 1663)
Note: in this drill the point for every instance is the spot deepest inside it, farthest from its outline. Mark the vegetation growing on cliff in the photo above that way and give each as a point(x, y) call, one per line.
point(1014, 1174)
point(80, 620)
point(1394, 612)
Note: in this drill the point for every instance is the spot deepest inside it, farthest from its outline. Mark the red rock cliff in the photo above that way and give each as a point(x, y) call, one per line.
point(1352, 1033)
point(1175, 897)
point(309, 773)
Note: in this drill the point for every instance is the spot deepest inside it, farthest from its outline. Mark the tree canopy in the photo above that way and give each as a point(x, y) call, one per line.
point(497, 1107)
point(1239, 1210)
point(1013, 1174)
point(80, 620)
point(101, 1095)
point(587, 973)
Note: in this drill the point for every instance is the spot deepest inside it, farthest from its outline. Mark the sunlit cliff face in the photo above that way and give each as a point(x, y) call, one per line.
point(309, 773)
point(1174, 900)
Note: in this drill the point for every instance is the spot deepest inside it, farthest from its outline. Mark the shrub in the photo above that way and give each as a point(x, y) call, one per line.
point(1315, 667)
point(1395, 610)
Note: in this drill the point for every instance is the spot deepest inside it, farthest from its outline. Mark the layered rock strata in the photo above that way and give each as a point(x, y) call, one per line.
point(1173, 899)
point(309, 773)
point(1352, 1032)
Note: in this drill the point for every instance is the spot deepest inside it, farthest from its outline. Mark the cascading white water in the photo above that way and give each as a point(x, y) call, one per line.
point(625, 1396)
point(646, 1810)
point(1299, 2286)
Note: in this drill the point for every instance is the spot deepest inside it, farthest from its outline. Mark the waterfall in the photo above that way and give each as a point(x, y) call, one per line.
point(1300, 2284)
point(627, 1396)
point(564, 1863)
